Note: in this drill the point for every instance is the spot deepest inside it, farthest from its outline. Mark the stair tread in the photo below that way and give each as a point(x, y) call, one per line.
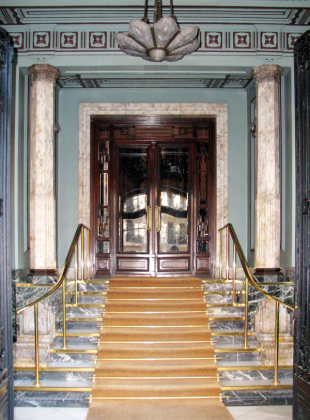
point(84, 346)
point(219, 346)
point(155, 387)
point(54, 383)
point(254, 382)
point(255, 364)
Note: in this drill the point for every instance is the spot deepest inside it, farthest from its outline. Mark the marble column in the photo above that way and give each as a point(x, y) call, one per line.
point(42, 169)
point(267, 200)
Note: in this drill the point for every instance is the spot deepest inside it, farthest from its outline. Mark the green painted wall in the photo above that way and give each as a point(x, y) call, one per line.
point(288, 174)
point(68, 140)
point(20, 252)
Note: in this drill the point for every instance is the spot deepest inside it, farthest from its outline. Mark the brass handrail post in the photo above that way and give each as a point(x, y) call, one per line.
point(88, 256)
point(221, 252)
point(234, 273)
point(76, 273)
point(276, 350)
point(36, 340)
point(227, 253)
point(82, 254)
point(246, 313)
point(64, 328)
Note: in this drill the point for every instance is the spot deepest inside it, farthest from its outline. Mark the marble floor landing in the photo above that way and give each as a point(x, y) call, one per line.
point(278, 412)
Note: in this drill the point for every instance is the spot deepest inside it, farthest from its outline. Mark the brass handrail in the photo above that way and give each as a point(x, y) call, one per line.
point(249, 278)
point(61, 282)
point(246, 268)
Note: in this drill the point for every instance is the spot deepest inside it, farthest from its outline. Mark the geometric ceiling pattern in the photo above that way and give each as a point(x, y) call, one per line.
point(44, 30)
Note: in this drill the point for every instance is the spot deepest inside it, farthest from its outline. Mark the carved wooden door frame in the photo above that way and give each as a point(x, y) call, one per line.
point(106, 132)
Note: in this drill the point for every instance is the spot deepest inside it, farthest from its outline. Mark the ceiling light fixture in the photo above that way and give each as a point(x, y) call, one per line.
point(158, 42)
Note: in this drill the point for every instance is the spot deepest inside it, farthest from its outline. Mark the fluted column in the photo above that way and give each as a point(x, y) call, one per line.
point(42, 169)
point(267, 200)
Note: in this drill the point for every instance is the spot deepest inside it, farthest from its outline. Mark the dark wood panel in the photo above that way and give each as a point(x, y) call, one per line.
point(132, 264)
point(203, 264)
point(170, 264)
point(104, 264)
point(302, 399)
point(302, 285)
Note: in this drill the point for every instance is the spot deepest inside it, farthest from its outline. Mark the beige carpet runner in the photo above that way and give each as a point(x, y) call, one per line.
point(155, 356)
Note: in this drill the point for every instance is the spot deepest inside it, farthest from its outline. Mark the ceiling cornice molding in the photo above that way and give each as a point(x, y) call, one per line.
point(227, 82)
point(115, 15)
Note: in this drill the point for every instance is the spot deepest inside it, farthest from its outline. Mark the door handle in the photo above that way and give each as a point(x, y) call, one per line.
point(149, 218)
point(157, 219)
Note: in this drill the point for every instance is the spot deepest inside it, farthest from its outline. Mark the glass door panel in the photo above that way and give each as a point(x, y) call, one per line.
point(133, 199)
point(172, 216)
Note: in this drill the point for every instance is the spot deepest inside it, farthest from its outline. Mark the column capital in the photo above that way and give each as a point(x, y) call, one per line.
point(44, 72)
point(267, 73)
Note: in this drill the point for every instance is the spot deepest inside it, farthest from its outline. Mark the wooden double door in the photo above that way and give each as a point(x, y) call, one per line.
point(149, 216)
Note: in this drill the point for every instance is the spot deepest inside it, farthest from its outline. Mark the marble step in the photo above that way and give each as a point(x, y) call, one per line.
point(227, 348)
point(217, 305)
point(89, 299)
point(230, 336)
point(225, 309)
point(226, 321)
point(83, 348)
point(254, 365)
point(86, 305)
point(255, 384)
point(87, 311)
point(61, 366)
point(53, 386)
point(83, 332)
point(55, 375)
point(87, 287)
point(241, 375)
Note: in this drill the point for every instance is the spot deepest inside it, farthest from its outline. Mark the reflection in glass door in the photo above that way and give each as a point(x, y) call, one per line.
point(133, 199)
point(173, 210)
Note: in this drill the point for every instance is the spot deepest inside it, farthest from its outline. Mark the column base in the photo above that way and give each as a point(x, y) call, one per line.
point(269, 275)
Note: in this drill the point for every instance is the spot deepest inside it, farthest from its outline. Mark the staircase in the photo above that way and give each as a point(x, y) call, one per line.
point(67, 380)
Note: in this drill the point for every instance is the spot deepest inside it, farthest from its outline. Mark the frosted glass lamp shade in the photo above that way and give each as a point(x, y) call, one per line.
point(162, 41)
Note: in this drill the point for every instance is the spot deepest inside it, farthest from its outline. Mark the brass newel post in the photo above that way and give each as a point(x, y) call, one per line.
point(246, 312)
point(76, 273)
point(234, 274)
point(36, 339)
point(64, 328)
point(227, 253)
point(88, 257)
point(82, 254)
point(276, 350)
point(221, 256)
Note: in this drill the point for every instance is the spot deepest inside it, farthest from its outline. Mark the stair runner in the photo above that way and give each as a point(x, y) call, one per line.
point(155, 356)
